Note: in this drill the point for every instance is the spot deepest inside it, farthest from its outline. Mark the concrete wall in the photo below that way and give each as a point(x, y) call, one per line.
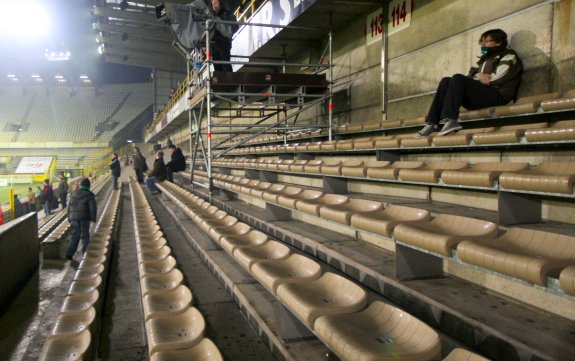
point(19, 256)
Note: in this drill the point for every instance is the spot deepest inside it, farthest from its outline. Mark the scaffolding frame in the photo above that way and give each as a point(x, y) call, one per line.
point(206, 104)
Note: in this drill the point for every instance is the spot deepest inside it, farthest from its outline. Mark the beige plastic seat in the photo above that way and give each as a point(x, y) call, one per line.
point(69, 324)
point(462, 137)
point(84, 286)
point(285, 164)
point(380, 332)
point(360, 170)
point(394, 142)
point(477, 113)
point(270, 192)
point(151, 245)
point(392, 123)
point(154, 255)
point(298, 166)
point(352, 128)
point(523, 253)
point(295, 268)
point(272, 196)
point(343, 212)
point(161, 266)
point(237, 228)
point(431, 172)
point(444, 232)
point(312, 206)
point(89, 263)
point(209, 215)
point(483, 174)
point(506, 134)
point(247, 187)
point(273, 165)
point(89, 273)
point(335, 169)
point(313, 166)
point(383, 222)
point(330, 294)
point(237, 186)
point(309, 147)
point(459, 354)
point(79, 302)
point(206, 350)
point(525, 105)
point(327, 146)
point(264, 252)
point(567, 280)
point(161, 282)
point(175, 332)
point(345, 144)
point(70, 348)
point(226, 221)
point(560, 131)
point(563, 103)
point(251, 238)
point(415, 142)
point(392, 170)
point(169, 302)
point(413, 121)
point(373, 126)
point(552, 177)
point(306, 194)
point(368, 143)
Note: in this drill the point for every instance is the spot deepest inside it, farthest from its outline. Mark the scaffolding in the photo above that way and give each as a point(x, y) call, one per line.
point(272, 101)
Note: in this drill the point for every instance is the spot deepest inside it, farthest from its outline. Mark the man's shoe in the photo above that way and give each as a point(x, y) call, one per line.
point(427, 130)
point(450, 126)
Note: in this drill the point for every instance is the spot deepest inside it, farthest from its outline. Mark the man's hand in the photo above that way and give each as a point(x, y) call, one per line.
point(484, 78)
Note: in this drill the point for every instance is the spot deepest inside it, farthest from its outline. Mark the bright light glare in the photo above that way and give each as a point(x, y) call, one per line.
point(27, 19)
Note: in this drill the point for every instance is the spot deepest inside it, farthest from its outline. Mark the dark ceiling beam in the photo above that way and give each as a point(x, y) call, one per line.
point(160, 34)
point(139, 17)
point(133, 42)
point(144, 63)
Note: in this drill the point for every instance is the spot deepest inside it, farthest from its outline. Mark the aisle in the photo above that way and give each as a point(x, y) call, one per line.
point(123, 336)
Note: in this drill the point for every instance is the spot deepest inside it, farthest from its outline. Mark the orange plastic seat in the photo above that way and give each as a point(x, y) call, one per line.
point(380, 332)
point(444, 232)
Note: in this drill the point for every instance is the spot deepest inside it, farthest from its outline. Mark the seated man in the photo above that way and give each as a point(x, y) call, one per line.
point(177, 162)
point(158, 173)
point(493, 82)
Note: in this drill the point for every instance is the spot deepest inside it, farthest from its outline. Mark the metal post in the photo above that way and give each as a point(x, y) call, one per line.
point(190, 120)
point(330, 84)
point(384, 42)
point(209, 107)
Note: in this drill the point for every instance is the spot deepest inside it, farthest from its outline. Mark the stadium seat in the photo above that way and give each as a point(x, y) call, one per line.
point(295, 268)
point(264, 252)
point(71, 347)
point(206, 350)
point(69, 324)
point(431, 172)
point(161, 266)
point(175, 332)
point(511, 134)
point(78, 303)
point(167, 303)
point(360, 170)
point(476, 114)
point(523, 253)
point(525, 105)
point(551, 177)
point(306, 194)
point(560, 131)
point(312, 206)
point(413, 121)
point(444, 232)
point(483, 174)
point(336, 169)
point(383, 222)
point(343, 212)
point(313, 166)
point(158, 283)
point(391, 171)
point(298, 166)
point(567, 101)
point(461, 138)
point(567, 280)
point(84, 286)
point(380, 332)
point(235, 229)
point(154, 255)
point(328, 295)
point(251, 238)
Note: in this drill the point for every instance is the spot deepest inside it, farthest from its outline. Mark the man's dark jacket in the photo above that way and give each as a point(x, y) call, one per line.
point(115, 167)
point(178, 162)
point(82, 206)
point(159, 170)
point(63, 186)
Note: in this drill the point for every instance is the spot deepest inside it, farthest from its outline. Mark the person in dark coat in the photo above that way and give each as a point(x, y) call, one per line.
point(116, 169)
point(47, 196)
point(63, 189)
point(140, 165)
point(177, 162)
point(158, 173)
point(81, 211)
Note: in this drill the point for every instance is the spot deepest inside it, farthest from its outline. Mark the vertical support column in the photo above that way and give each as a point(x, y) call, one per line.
point(384, 61)
point(209, 108)
point(330, 85)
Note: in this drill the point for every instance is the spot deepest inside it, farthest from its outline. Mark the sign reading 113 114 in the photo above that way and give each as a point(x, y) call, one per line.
point(398, 18)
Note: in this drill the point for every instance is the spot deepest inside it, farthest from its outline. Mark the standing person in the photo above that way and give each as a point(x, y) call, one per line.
point(63, 189)
point(493, 82)
point(177, 162)
point(158, 173)
point(221, 44)
point(47, 196)
point(140, 165)
point(18, 209)
point(31, 200)
point(38, 198)
point(116, 170)
point(81, 212)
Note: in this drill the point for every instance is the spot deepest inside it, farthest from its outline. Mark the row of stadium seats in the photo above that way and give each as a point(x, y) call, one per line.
point(522, 253)
point(174, 328)
point(546, 177)
point(331, 306)
point(524, 106)
point(77, 323)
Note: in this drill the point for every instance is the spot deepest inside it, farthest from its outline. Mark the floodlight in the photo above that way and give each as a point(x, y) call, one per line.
point(36, 15)
point(83, 76)
point(11, 76)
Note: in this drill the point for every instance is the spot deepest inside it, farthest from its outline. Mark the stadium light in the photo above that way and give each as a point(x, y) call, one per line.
point(35, 76)
point(58, 76)
point(11, 76)
point(36, 16)
point(83, 76)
